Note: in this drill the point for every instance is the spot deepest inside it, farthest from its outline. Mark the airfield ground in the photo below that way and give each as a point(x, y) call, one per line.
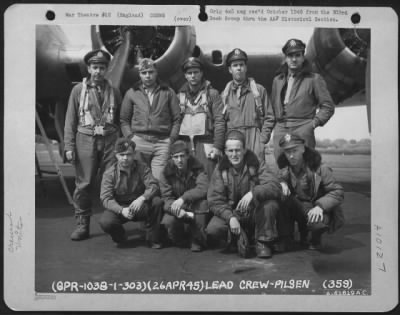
point(346, 254)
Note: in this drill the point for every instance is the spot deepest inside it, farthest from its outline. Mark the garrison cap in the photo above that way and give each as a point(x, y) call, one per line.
point(192, 62)
point(290, 140)
point(123, 145)
point(178, 146)
point(293, 45)
point(234, 55)
point(97, 56)
point(235, 135)
point(146, 64)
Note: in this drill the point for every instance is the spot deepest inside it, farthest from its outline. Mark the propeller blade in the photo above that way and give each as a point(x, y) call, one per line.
point(118, 64)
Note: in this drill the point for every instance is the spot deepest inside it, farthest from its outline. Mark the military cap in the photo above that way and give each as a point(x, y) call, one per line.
point(192, 62)
point(290, 140)
point(236, 135)
point(234, 55)
point(293, 45)
point(97, 56)
point(123, 145)
point(178, 146)
point(146, 64)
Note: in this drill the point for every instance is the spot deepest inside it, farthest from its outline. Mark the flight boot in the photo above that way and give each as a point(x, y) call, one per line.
point(82, 228)
point(284, 244)
point(315, 242)
point(195, 246)
point(304, 239)
point(263, 250)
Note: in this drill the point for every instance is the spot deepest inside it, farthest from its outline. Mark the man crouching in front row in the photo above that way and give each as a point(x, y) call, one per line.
point(243, 196)
point(311, 195)
point(129, 193)
point(183, 185)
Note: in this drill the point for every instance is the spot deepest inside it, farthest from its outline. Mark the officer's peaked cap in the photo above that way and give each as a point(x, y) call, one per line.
point(293, 45)
point(234, 55)
point(97, 56)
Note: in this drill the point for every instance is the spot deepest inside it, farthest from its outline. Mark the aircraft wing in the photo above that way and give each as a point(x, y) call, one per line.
point(339, 55)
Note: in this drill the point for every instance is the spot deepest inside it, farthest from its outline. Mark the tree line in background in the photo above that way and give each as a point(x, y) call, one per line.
point(340, 146)
point(337, 146)
point(343, 146)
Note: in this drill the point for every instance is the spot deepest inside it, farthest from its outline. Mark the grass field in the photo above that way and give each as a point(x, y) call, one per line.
point(347, 161)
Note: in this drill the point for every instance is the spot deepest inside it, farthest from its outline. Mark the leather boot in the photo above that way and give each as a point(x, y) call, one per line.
point(195, 247)
point(263, 250)
point(284, 244)
point(304, 239)
point(315, 243)
point(82, 228)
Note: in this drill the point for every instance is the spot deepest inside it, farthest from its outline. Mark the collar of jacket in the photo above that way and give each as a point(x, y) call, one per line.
point(250, 160)
point(245, 86)
point(160, 85)
point(314, 175)
point(118, 170)
point(205, 84)
point(305, 70)
point(133, 167)
point(193, 166)
point(311, 157)
point(91, 84)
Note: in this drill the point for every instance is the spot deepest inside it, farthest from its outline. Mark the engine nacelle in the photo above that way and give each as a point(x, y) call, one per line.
point(340, 56)
point(169, 46)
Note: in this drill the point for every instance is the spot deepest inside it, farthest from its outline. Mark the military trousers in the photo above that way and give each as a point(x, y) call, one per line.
point(176, 226)
point(93, 155)
point(260, 224)
point(200, 154)
point(153, 152)
point(294, 210)
point(150, 213)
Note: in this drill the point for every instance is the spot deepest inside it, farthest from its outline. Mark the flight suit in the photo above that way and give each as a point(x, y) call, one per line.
point(190, 185)
point(91, 130)
point(119, 188)
point(206, 102)
point(299, 115)
point(316, 186)
point(242, 113)
point(224, 195)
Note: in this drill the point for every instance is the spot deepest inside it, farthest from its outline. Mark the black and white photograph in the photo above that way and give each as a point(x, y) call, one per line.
point(227, 159)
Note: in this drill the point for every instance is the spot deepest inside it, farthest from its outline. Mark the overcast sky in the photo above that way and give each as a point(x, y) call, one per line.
point(347, 122)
